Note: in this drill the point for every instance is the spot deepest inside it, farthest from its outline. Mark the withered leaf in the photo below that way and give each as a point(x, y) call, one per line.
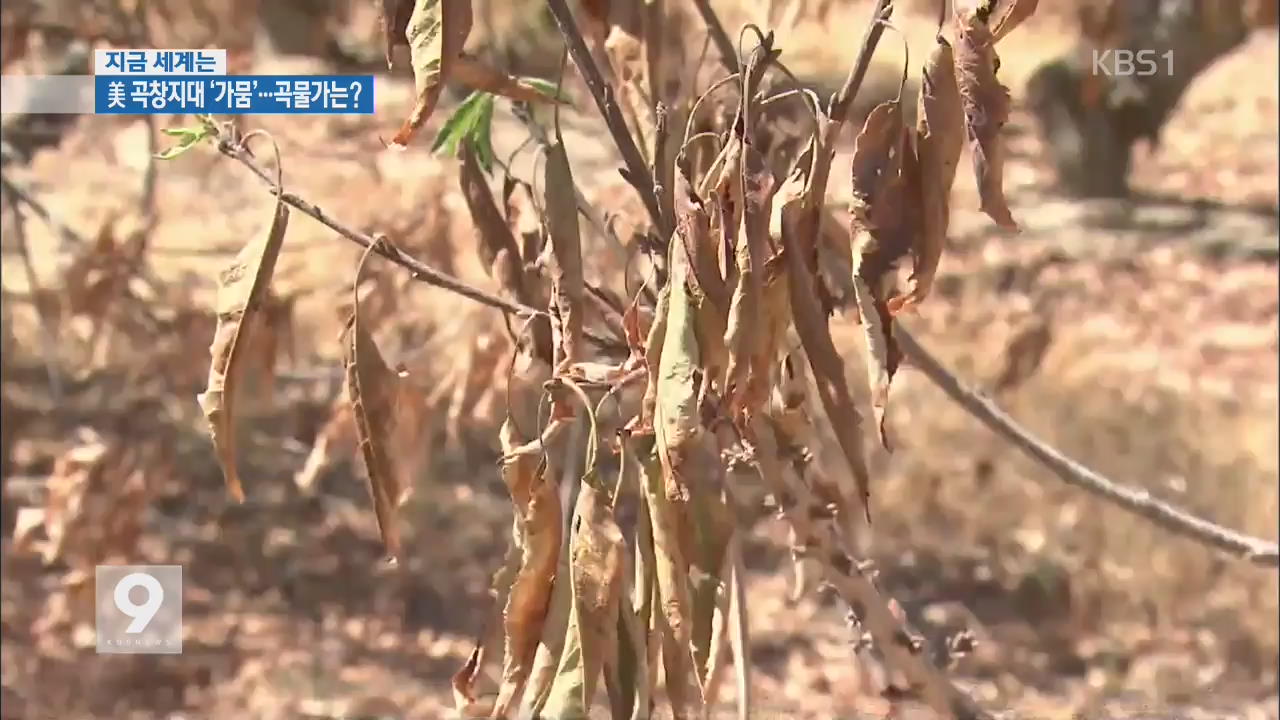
point(883, 354)
point(880, 250)
point(986, 109)
point(536, 532)
point(596, 553)
point(743, 333)
point(671, 573)
point(436, 31)
point(872, 152)
point(677, 422)
point(390, 413)
point(939, 138)
point(393, 16)
point(499, 253)
point(1014, 14)
point(799, 227)
point(567, 285)
point(242, 289)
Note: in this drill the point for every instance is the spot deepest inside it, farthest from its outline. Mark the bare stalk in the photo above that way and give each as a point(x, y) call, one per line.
point(1134, 500)
point(421, 271)
point(637, 170)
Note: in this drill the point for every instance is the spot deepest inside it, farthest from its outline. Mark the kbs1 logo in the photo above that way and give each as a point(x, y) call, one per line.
point(139, 609)
point(1132, 63)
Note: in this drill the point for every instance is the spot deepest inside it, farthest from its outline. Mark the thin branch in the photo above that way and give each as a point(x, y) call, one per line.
point(843, 100)
point(48, 337)
point(718, 35)
point(1135, 500)
point(637, 170)
point(61, 229)
point(853, 583)
point(421, 271)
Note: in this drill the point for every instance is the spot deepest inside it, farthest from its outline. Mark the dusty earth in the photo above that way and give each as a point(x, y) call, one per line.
point(1155, 363)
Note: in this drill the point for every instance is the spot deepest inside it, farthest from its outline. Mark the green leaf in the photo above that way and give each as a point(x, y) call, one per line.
point(546, 87)
point(471, 123)
point(189, 138)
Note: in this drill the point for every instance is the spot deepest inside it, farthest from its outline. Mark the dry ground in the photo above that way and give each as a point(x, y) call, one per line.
point(1159, 369)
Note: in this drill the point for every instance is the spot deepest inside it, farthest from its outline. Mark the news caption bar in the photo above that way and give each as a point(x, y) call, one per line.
point(151, 82)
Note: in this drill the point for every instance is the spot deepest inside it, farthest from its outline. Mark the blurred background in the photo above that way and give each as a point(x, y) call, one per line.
point(1132, 324)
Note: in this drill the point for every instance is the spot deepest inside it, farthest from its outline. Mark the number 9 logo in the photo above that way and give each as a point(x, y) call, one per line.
point(141, 614)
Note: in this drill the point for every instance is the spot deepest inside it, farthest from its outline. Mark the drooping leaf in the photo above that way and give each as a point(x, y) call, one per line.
point(536, 532)
point(560, 210)
point(551, 646)
point(390, 413)
point(393, 17)
point(895, 226)
point(671, 573)
point(939, 139)
point(242, 289)
point(986, 108)
point(799, 224)
point(872, 151)
point(744, 331)
point(1013, 14)
point(497, 247)
point(596, 551)
point(436, 31)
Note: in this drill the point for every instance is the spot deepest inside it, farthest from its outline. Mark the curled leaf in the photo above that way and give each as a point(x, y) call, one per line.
point(939, 138)
point(799, 226)
point(567, 284)
point(390, 414)
point(986, 109)
point(743, 331)
point(436, 32)
point(393, 17)
point(536, 533)
point(242, 290)
point(1013, 15)
point(596, 553)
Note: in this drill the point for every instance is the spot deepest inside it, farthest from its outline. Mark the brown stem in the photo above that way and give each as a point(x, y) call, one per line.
point(1135, 500)
point(637, 170)
point(421, 271)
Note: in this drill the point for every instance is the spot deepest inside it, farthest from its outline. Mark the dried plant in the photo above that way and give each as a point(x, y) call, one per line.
point(701, 358)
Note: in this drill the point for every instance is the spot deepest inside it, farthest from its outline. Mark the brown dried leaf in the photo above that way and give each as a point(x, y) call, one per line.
point(242, 289)
point(986, 109)
point(536, 532)
point(596, 554)
point(393, 16)
point(464, 682)
point(671, 572)
point(797, 207)
point(1015, 12)
point(567, 285)
point(390, 414)
point(436, 31)
point(499, 253)
point(743, 333)
point(550, 647)
point(883, 354)
point(872, 152)
point(939, 138)
point(879, 251)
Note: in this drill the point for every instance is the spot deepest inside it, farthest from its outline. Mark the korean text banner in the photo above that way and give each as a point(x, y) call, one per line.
point(233, 94)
